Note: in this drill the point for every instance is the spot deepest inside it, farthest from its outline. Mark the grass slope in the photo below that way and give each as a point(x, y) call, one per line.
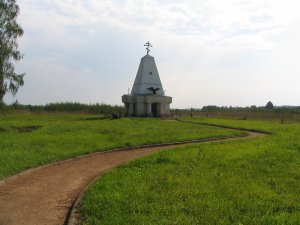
point(28, 140)
point(254, 181)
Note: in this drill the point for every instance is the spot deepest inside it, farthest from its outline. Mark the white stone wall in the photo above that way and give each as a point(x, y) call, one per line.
point(142, 105)
point(146, 77)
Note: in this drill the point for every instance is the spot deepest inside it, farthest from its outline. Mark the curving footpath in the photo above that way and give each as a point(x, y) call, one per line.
point(45, 195)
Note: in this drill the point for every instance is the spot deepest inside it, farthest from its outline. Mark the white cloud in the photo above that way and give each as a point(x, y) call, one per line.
point(201, 47)
point(214, 22)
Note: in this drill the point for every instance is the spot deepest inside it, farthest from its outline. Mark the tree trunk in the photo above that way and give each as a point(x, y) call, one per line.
point(1, 87)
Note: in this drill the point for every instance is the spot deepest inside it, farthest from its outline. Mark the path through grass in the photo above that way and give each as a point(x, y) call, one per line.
point(29, 140)
point(254, 181)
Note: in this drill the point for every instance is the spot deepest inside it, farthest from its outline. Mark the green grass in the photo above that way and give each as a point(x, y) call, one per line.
point(253, 181)
point(29, 140)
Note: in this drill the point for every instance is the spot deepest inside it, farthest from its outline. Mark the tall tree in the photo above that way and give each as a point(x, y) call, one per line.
point(10, 30)
point(269, 105)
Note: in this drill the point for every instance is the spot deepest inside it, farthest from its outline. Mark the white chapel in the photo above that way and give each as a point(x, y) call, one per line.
point(147, 97)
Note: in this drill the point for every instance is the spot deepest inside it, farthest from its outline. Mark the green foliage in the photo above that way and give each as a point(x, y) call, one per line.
point(10, 30)
point(79, 107)
point(253, 112)
point(28, 140)
point(253, 181)
point(269, 105)
point(251, 109)
point(280, 113)
point(71, 107)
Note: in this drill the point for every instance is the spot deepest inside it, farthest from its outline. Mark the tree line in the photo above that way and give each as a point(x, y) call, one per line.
point(282, 113)
point(70, 107)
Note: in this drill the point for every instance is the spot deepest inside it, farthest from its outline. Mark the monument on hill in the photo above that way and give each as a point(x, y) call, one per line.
point(147, 96)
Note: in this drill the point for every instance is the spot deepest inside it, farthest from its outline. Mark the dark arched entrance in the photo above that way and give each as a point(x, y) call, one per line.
point(154, 109)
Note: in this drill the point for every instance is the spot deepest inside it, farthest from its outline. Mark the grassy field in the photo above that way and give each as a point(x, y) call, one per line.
point(29, 140)
point(253, 181)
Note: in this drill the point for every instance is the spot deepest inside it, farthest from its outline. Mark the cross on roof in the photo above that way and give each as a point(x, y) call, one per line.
point(148, 47)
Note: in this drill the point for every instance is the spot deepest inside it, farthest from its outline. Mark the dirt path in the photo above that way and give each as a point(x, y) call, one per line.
point(44, 195)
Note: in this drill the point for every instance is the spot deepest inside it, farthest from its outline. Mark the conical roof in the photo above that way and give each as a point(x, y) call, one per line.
point(147, 77)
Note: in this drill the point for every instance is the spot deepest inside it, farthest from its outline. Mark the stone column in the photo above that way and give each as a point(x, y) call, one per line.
point(148, 108)
point(167, 109)
point(130, 111)
point(126, 109)
point(161, 109)
point(139, 108)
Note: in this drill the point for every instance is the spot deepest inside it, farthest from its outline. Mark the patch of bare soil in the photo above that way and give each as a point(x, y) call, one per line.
point(44, 195)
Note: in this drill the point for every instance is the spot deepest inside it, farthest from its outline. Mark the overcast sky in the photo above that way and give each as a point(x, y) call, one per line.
point(208, 52)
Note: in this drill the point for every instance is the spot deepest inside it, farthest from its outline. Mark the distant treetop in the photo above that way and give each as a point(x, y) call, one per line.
point(269, 105)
